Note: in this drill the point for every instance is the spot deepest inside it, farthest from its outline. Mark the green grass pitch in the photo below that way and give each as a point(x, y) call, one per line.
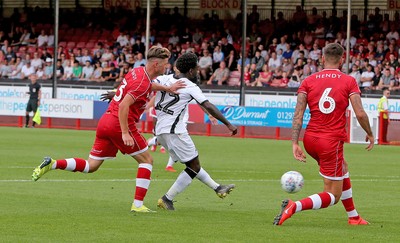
point(73, 207)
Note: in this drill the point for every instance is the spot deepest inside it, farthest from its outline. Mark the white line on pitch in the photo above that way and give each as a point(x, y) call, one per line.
point(164, 180)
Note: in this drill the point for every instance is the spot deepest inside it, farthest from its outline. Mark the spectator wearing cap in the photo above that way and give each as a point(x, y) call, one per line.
point(48, 69)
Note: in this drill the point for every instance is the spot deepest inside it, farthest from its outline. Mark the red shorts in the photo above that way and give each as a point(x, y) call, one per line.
point(109, 139)
point(329, 155)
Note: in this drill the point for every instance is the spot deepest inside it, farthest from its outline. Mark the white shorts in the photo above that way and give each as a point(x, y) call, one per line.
point(179, 146)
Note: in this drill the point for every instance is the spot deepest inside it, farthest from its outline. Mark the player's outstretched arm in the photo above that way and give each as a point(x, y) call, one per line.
point(212, 110)
point(170, 89)
point(213, 120)
point(297, 124)
point(362, 118)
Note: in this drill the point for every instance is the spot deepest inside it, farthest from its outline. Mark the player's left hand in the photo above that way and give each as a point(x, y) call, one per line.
point(298, 153)
point(107, 96)
point(176, 86)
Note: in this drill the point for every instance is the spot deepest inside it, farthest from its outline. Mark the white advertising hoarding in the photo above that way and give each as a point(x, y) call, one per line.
point(55, 108)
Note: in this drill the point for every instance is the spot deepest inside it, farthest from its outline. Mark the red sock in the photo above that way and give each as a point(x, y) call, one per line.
point(347, 199)
point(73, 164)
point(316, 201)
point(142, 183)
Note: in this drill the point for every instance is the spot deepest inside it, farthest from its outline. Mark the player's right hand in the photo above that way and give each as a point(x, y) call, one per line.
point(371, 140)
point(128, 139)
point(298, 153)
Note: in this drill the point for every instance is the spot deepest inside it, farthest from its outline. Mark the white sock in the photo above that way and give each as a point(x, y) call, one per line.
point(171, 162)
point(181, 183)
point(152, 141)
point(204, 177)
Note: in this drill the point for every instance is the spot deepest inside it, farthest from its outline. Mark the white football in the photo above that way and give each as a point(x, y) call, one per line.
point(292, 181)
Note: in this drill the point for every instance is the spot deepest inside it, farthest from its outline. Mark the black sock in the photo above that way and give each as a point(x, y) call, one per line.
point(26, 120)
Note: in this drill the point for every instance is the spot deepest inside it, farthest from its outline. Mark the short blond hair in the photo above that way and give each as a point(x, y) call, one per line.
point(158, 52)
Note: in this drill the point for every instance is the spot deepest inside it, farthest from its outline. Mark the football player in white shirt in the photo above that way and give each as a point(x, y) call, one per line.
point(152, 142)
point(172, 133)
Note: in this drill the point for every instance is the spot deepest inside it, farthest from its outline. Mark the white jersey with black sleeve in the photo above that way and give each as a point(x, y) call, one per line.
point(171, 108)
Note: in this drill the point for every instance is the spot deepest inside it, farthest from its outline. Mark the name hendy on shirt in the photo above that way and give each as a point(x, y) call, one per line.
point(328, 75)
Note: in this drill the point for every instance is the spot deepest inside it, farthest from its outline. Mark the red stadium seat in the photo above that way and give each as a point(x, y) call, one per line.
point(62, 43)
point(32, 49)
point(22, 49)
point(81, 44)
point(90, 45)
point(71, 44)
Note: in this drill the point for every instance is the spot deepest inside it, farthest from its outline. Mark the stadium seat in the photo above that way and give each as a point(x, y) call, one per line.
point(81, 44)
point(62, 43)
point(89, 45)
point(47, 27)
point(75, 38)
point(32, 49)
point(234, 78)
point(71, 44)
point(22, 49)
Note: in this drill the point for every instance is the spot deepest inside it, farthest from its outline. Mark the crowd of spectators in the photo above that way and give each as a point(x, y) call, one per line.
point(278, 52)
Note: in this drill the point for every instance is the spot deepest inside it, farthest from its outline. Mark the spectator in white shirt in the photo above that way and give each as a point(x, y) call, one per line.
point(43, 39)
point(282, 45)
point(205, 63)
point(50, 38)
point(27, 70)
point(393, 34)
point(36, 62)
point(315, 53)
point(122, 39)
point(366, 77)
point(68, 71)
point(274, 62)
point(87, 71)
